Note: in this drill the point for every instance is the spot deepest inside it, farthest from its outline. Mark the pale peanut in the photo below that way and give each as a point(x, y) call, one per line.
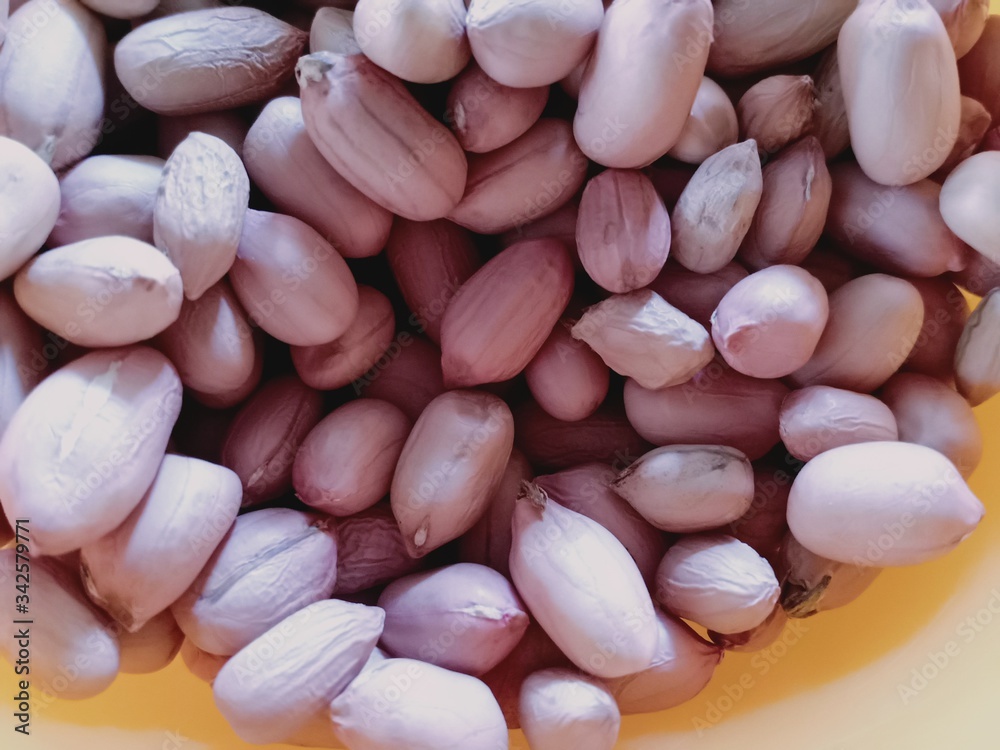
point(30, 196)
point(106, 291)
point(204, 66)
point(66, 55)
point(632, 125)
point(198, 214)
point(86, 444)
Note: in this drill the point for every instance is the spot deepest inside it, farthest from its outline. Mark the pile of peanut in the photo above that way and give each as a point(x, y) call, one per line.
point(416, 371)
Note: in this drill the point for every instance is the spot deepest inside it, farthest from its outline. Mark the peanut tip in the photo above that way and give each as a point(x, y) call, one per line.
point(312, 68)
point(799, 601)
point(532, 493)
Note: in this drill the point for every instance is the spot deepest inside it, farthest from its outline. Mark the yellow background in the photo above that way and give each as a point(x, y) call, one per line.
point(832, 684)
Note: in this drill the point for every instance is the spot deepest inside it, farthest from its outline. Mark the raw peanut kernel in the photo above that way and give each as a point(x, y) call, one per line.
point(634, 124)
point(623, 230)
point(528, 43)
point(422, 41)
point(716, 209)
point(582, 586)
point(205, 65)
point(711, 126)
point(106, 291)
point(198, 215)
point(85, 445)
point(502, 315)
point(52, 80)
point(901, 88)
point(777, 111)
point(642, 336)
point(408, 162)
point(764, 34)
point(474, 431)
point(845, 499)
point(284, 163)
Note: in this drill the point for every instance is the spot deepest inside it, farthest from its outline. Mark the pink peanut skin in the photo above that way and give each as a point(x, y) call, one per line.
point(488, 542)
point(605, 435)
point(345, 464)
point(430, 260)
point(818, 418)
point(697, 294)
point(291, 281)
point(701, 411)
point(586, 489)
point(526, 180)
point(874, 324)
point(502, 315)
point(929, 412)
point(284, 163)
point(486, 115)
point(897, 230)
point(978, 72)
point(151, 648)
point(567, 378)
point(535, 651)
point(682, 666)
point(763, 526)
point(408, 162)
point(793, 207)
point(768, 325)
point(371, 551)
point(474, 604)
point(204, 67)
point(407, 375)
point(263, 438)
point(473, 431)
point(623, 230)
point(349, 356)
point(214, 348)
point(633, 125)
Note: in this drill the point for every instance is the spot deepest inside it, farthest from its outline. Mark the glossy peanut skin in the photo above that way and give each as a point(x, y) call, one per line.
point(345, 463)
point(285, 164)
point(566, 377)
point(502, 315)
point(700, 411)
point(419, 174)
point(474, 430)
point(854, 354)
point(818, 418)
point(917, 506)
